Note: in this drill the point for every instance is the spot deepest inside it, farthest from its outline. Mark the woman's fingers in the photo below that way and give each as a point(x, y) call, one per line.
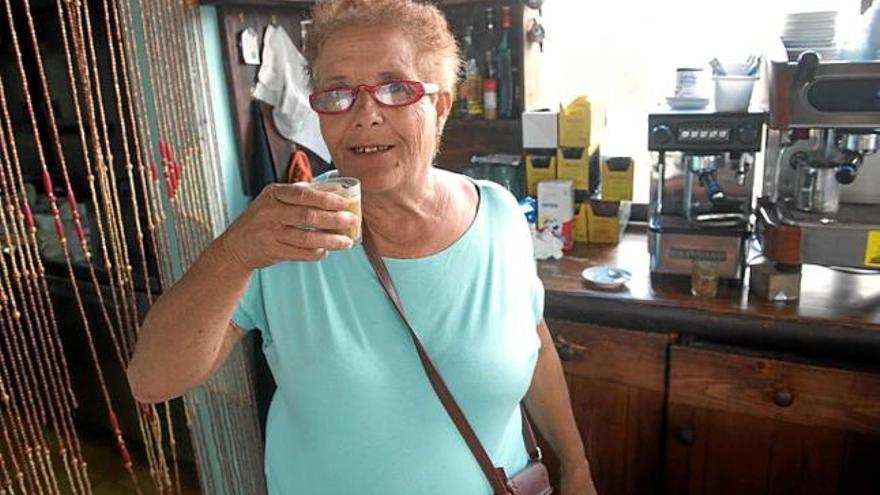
point(300, 238)
point(291, 222)
point(317, 218)
point(291, 253)
point(303, 195)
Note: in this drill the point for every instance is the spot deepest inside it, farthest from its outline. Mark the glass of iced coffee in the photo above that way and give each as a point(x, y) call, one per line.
point(350, 189)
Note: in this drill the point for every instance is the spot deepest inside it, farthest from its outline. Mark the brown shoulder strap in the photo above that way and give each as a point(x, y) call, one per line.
point(496, 476)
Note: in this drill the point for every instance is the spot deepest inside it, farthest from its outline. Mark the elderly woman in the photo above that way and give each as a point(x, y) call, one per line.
point(354, 412)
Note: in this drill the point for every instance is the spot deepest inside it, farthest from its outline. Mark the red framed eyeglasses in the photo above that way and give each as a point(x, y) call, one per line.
point(388, 94)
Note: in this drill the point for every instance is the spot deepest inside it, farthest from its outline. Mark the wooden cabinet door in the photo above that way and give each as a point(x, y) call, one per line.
point(616, 381)
point(741, 425)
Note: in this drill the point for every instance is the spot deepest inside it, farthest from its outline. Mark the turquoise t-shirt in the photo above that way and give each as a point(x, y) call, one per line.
point(354, 412)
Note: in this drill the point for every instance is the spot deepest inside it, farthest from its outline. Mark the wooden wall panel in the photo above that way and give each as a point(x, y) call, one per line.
point(242, 78)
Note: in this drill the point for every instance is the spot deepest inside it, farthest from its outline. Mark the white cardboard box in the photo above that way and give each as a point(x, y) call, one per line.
point(539, 129)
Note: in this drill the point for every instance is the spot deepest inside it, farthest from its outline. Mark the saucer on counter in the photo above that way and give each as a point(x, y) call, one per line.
point(687, 102)
point(606, 277)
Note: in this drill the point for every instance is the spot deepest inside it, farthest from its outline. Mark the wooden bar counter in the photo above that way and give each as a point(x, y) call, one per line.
point(837, 313)
point(678, 394)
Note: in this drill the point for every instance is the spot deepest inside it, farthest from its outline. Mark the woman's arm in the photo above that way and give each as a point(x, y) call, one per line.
point(549, 405)
point(186, 335)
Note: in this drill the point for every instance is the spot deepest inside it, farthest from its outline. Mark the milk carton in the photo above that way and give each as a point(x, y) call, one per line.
point(556, 209)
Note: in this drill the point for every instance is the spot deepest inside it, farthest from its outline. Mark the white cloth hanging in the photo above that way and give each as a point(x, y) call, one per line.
point(282, 82)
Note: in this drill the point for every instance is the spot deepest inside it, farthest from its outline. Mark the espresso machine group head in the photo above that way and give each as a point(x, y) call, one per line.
point(701, 189)
point(824, 127)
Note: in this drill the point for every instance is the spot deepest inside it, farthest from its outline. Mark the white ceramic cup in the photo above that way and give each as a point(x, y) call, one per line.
point(733, 93)
point(687, 82)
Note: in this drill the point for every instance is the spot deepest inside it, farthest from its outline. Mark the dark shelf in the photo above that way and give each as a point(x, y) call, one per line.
point(488, 125)
point(465, 138)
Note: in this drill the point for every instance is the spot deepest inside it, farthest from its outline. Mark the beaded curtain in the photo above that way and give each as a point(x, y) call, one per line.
point(159, 189)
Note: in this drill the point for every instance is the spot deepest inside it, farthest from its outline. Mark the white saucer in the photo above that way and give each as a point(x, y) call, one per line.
point(686, 102)
point(606, 277)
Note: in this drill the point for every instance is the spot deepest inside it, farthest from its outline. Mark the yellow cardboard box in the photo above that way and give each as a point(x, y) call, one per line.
point(617, 178)
point(580, 223)
point(540, 165)
point(574, 164)
point(606, 220)
point(581, 123)
point(579, 165)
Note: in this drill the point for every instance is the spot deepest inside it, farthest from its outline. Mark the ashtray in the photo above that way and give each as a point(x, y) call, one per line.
point(606, 277)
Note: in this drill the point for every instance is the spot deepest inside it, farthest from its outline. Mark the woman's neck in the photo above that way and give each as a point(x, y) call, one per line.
point(420, 219)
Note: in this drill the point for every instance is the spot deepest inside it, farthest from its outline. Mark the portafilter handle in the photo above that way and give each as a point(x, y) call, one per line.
point(806, 69)
point(713, 188)
point(846, 172)
point(854, 146)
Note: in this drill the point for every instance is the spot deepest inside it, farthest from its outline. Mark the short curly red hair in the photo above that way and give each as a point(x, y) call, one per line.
point(424, 24)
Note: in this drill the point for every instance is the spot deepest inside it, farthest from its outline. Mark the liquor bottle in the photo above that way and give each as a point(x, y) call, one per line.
point(473, 80)
point(504, 58)
point(464, 91)
point(489, 35)
point(490, 89)
point(486, 39)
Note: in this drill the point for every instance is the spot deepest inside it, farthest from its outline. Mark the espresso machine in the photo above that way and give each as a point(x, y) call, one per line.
point(701, 190)
point(823, 129)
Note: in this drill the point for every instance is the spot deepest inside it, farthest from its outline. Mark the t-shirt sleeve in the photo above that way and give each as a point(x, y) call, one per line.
point(525, 256)
point(251, 311)
point(537, 298)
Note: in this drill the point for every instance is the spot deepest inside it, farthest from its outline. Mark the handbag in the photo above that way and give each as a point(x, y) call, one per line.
point(533, 479)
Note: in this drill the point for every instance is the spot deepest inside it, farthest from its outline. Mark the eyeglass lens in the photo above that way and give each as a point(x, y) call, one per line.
point(395, 93)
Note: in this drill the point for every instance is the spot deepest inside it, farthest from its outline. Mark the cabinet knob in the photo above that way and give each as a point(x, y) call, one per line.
point(783, 397)
point(567, 350)
point(686, 435)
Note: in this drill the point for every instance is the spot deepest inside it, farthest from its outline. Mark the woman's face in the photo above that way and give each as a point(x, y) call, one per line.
point(386, 148)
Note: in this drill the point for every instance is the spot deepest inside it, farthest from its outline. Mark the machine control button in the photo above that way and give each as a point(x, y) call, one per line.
point(713, 134)
point(684, 134)
point(747, 134)
point(723, 134)
point(661, 134)
point(704, 134)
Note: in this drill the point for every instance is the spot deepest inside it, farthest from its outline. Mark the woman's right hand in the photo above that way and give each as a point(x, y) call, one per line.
point(287, 222)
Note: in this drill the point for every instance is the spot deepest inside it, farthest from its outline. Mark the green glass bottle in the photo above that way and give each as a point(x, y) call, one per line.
point(504, 57)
